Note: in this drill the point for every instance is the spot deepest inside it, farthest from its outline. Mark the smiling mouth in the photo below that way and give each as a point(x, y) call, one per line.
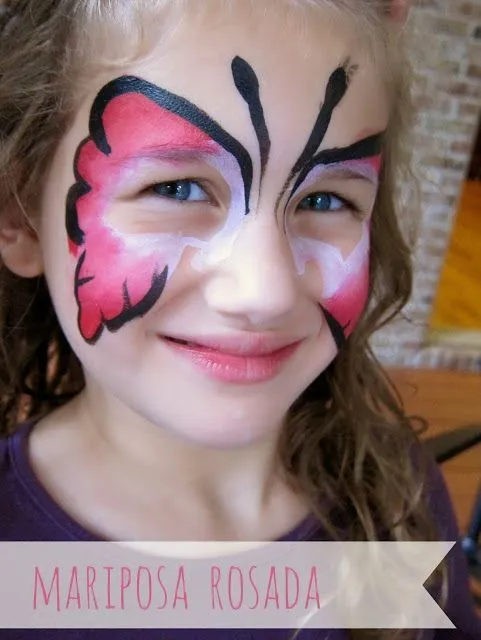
point(247, 345)
point(235, 362)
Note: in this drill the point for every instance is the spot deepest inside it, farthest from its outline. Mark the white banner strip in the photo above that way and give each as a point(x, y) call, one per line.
point(318, 585)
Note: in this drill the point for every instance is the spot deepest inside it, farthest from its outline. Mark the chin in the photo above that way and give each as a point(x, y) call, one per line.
point(225, 432)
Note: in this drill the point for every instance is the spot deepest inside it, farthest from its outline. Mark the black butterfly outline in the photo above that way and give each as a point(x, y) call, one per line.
point(248, 87)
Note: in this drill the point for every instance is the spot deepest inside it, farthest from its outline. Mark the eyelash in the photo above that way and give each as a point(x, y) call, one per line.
point(349, 204)
point(150, 189)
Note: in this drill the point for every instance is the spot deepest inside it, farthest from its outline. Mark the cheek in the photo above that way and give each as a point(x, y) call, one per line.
point(113, 286)
point(349, 301)
point(117, 278)
point(343, 281)
point(339, 283)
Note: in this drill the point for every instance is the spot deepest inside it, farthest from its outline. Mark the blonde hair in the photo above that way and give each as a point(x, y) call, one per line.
point(347, 437)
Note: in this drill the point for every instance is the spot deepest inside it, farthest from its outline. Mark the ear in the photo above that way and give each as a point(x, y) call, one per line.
point(19, 244)
point(399, 11)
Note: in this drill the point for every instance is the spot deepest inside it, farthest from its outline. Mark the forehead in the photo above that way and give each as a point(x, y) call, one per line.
point(293, 53)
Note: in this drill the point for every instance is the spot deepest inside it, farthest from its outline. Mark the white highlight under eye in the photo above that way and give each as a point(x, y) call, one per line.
point(171, 246)
point(334, 267)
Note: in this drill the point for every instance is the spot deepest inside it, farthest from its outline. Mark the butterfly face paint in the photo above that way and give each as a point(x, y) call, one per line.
point(119, 276)
point(345, 278)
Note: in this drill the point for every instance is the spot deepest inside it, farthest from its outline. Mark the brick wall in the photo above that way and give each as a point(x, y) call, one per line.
point(447, 54)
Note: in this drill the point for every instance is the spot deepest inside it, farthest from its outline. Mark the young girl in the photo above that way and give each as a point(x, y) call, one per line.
point(199, 232)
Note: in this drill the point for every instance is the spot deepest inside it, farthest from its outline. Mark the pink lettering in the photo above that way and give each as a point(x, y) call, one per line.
point(109, 587)
point(144, 571)
point(180, 589)
point(272, 590)
point(214, 584)
point(73, 589)
point(232, 571)
point(54, 586)
point(291, 572)
point(162, 586)
point(313, 590)
point(253, 584)
point(125, 582)
point(91, 577)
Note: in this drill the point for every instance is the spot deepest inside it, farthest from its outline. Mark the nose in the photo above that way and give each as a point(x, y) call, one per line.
point(257, 280)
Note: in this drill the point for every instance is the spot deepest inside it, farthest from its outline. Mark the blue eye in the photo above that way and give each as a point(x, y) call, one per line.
point(181, 190)
point(322, 202)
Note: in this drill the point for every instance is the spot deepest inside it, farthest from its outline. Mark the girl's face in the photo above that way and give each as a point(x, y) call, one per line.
point(205, 226)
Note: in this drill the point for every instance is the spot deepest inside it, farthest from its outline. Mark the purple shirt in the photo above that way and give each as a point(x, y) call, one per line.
point(28, 513)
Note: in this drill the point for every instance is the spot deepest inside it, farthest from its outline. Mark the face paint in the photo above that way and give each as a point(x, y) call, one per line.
point(368, 149)
point(345, 279)
point(120, 276)
point(247, 85)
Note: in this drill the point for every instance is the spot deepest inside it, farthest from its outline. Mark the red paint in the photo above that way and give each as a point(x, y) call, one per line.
point(135, 126)
point(228, 367)
point(349, 302)
point(375, 162)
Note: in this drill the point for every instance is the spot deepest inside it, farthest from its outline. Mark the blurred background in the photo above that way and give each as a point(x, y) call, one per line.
point(433, 353)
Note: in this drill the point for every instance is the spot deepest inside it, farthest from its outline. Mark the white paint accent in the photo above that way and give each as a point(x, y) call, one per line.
point(215, 250)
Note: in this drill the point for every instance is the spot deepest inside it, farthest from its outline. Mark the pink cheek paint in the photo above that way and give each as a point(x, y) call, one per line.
point(375, 163)
point(345, 280)
point(113, 281)
point(349, 302)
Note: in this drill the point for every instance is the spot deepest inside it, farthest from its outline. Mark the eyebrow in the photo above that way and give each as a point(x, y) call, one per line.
point(350, 173)
point(176, 152)
point(176, 105)
point(362, 150)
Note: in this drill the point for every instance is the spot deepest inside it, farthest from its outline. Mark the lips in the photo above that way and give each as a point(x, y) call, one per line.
point(247, 345)
point(241, 359)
